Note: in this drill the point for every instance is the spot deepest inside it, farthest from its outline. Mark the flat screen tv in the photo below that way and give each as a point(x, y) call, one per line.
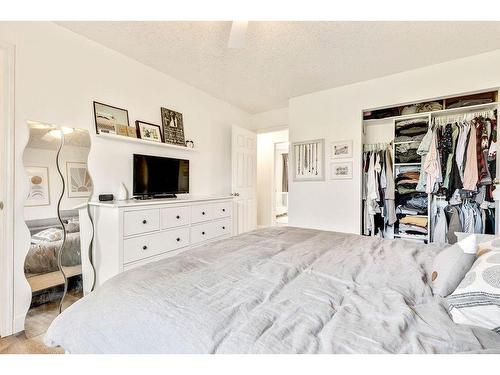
point(158, 176)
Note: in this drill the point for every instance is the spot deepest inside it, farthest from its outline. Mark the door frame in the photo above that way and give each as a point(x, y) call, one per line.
point(275, 181)
point(7, 191)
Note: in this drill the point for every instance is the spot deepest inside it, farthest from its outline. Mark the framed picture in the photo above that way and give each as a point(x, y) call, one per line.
point(78, 181)
point(173, 127)
point(341, 149)
point(108, 117)
point(39, 188)
point(150, 132)
point(341, 170)
point(309, 160)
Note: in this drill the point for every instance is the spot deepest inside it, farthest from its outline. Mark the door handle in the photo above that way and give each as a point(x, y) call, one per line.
point(235, 194)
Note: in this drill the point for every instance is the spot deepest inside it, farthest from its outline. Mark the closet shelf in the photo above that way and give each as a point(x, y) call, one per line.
point(403, 164)
point(122, 138)
point(441, 112)
point(412, 237)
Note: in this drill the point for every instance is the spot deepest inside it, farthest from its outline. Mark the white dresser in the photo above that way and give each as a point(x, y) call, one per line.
point(133, 233)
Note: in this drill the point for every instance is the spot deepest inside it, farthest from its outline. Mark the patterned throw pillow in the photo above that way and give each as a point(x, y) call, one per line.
point(476, 301)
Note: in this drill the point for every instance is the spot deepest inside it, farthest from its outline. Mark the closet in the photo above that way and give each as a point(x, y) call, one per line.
point(430, 173)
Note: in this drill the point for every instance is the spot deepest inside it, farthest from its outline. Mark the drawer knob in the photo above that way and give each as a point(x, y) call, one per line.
point(203, 213)
point(144, 247)
point(223, 227)
point(178, 239)
point(177, 217)
point(203, 233)
point(223, 210)
point(144, 221)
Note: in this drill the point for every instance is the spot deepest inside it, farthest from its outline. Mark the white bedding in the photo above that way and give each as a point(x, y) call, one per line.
point(276, 290)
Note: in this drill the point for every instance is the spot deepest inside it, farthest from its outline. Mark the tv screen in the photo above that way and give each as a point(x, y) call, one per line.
point(154, 175)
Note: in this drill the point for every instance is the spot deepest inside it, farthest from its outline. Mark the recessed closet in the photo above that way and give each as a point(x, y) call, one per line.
point(429, 169)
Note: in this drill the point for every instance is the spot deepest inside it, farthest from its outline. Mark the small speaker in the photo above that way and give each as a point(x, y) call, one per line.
point(106, 197)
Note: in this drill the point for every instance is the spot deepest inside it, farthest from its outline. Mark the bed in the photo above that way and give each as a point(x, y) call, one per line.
point(40, 266)
point(275, 290)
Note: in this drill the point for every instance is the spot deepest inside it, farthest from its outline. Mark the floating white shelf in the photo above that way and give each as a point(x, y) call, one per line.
point(122, 138)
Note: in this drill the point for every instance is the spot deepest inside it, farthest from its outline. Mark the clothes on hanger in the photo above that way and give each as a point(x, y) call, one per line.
point(378, 191)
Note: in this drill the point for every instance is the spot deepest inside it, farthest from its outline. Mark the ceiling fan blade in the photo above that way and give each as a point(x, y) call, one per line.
point(238, 34)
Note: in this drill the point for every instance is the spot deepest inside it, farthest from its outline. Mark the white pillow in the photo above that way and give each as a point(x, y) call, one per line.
point(476, 301)
point(451, 265)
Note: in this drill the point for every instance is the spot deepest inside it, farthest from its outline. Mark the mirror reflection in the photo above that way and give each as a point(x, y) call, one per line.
point(59, 187)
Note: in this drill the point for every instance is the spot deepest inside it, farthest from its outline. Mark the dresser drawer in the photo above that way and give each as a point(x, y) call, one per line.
point(143, 221)
point(221, 228)
point(222, 209)
point(175, 217)
point(142, 247)
point(201, 212)
point(202, 232)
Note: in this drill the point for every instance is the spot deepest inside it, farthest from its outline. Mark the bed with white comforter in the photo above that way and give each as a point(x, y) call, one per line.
point(276, 290)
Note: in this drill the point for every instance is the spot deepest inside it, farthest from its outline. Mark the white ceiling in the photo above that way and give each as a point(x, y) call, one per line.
point(281, 60)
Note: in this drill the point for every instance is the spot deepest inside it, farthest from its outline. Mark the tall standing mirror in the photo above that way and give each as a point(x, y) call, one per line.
point(59, 187)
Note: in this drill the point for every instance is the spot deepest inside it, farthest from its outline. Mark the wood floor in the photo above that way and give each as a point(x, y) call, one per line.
point(30, 341)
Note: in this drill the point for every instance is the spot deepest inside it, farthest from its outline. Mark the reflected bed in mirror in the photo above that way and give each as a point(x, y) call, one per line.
point(55, 161)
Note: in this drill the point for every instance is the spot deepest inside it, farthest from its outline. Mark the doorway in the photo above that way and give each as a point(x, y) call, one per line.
point(272, 200)
point(281, 183)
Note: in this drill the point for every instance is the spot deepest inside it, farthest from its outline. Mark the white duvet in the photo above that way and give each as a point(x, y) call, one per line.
point(276, 290)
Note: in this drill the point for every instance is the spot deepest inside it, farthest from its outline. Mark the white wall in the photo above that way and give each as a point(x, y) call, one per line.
point(270, 120)
point(336, 114)
point(265, 174)
point(379, 131)
point(36, 157)
point(58, 75)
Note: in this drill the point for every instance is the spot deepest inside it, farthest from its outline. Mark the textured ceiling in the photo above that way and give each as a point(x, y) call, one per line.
point(281, 60)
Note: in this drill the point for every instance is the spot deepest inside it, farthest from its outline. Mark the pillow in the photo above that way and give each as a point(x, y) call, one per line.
point(476, 301)
point(72, 227)
point(451, 265)
point(49, 235)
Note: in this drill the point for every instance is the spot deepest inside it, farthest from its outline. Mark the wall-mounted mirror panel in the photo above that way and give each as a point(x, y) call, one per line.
point(59, 187)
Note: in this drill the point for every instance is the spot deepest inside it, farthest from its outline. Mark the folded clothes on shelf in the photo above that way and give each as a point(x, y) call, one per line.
point(409, 156)
point(408, 138)
point(419, 221)
point(415, 229)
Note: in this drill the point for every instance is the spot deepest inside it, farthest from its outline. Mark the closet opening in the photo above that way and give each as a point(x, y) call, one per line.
point(429, 169)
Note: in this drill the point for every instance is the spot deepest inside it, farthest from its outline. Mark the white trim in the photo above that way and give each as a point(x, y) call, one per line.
point(7, 64)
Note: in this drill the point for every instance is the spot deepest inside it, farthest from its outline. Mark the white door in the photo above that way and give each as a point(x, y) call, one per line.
point(244, 180)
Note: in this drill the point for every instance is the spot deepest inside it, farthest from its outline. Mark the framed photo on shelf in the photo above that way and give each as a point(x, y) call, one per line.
point(341, 149)
point(150, 132)
point(78, 180)
point(39, 188)
point(173, 127)
point(341, 170)
point(309, 160)
point(108, 118)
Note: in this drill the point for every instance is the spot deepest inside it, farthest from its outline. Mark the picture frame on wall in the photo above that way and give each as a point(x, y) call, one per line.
point(79, 182)
point(148, 131)
point(341, 170)
point(341, 149)
point(173, 127)
point(39, 187)
point(309, 160)
point(107, 118)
